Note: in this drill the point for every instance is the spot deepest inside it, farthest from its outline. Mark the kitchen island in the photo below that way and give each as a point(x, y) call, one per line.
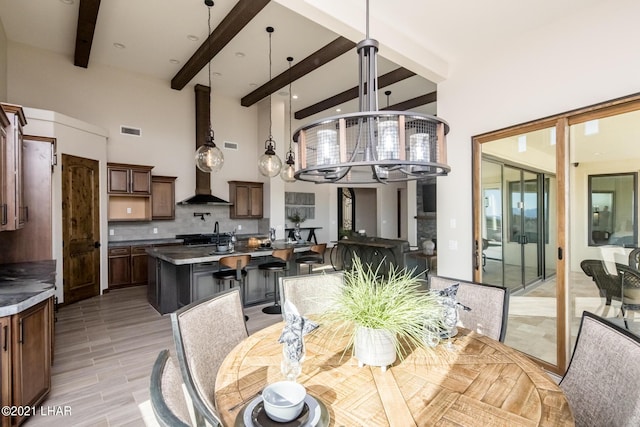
point(179, 275)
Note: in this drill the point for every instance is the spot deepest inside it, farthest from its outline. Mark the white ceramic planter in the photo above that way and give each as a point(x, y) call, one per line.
point(375, 347)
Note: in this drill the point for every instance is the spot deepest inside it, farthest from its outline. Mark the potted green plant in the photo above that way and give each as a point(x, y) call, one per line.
point(296, 218)
point(385, 317)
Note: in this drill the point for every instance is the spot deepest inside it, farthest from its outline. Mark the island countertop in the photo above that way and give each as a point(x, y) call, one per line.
point(25, 284)
point(181, 255)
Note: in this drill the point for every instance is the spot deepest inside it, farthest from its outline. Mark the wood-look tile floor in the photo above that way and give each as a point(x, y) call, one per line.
point(104, 350)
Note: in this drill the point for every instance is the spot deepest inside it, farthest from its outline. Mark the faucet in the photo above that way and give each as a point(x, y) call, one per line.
point(216, 231)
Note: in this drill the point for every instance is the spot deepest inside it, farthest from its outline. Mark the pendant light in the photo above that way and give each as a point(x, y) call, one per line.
point(371, 146)
point(288, 171)
point(209, 158)
point(269, 163)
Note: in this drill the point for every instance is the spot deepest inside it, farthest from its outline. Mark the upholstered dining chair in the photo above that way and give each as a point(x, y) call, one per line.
point(601, 382)
point(205, 331)
point(167, 397)
point(489, 306)
point(314, 256)
point(608, 285)
point(310, 292)
point(630, 290)
point(634, 258)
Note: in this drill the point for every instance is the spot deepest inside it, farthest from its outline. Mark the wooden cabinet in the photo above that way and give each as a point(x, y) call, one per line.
point(4, 125)
point(163, 197)
point(129, 189)
point(139, 265)
point(246, 198)
point(25, 358)
point(14, 211)
point(119, 266)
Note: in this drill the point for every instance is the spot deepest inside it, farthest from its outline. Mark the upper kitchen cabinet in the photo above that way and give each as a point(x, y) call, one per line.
point(246, 198)
point(4, 125)
point(129, 188)
point(14, 212)
point(163, 197)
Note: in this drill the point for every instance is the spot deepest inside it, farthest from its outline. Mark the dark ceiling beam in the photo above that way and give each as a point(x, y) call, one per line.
point(413, 102)
point(317, 59)
point(241, 14)
point(87, 18)
point(349, 94)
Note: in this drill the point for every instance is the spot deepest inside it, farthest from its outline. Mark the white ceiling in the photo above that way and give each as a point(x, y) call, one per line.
point(155, 31)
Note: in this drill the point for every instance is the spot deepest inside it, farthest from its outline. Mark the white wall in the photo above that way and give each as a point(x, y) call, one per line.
point(586, 58)
point(79, 139)
point(3, 63)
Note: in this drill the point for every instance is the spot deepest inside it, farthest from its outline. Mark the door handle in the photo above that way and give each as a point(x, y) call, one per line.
point(96, 245)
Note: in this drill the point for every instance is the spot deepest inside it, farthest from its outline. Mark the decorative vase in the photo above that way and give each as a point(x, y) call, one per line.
point(375, 347)
point(296, 232)
point(428, 246)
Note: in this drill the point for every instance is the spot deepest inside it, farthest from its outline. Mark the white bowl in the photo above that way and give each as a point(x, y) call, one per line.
point(283, 400)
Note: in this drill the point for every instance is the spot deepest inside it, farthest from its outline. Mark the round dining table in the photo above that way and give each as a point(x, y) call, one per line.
point(479, 382)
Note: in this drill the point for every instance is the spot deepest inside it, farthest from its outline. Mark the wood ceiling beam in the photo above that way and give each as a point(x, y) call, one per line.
point(87, 18)
point(413, 102)
point(241, 14)
point(317, 59)
point(349, 94)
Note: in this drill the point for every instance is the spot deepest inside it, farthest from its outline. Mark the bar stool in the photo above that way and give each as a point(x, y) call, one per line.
point(312, 257)
point(235, 273)
point(276, 267)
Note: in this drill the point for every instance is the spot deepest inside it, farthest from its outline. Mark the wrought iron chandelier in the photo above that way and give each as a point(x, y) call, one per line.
point(209, 157)
point(371, 146)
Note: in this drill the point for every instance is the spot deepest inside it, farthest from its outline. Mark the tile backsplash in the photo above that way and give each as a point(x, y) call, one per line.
point(187, 223)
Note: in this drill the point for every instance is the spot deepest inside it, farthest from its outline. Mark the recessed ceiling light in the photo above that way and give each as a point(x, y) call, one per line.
point(193, 38)
point(338, 110)
point(240, 54)
point(67, 1)
point(295, 97)
point(216, 74)
point(252, 85)
point(119, 46)
point(174, 61)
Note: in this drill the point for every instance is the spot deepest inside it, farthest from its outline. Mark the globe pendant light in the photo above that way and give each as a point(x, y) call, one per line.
point(269, 163)
point(371, 146)
point(209, 158)
point(288, 172)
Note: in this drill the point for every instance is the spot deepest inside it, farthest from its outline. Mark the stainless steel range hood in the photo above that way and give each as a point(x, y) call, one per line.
point(203, 194)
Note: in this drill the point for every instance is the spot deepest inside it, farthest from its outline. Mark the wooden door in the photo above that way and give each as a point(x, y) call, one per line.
point(5, 366)
point(80, 228)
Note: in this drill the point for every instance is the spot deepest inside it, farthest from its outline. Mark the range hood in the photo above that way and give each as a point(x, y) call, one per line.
point(203, 194)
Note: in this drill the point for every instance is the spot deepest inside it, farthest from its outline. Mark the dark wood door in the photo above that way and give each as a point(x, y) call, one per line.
point(80, 228)
point(5, 366)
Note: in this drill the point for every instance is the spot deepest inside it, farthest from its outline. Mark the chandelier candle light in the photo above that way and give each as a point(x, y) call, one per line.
point(209, 158)
point(269, 163)
point(371, 146)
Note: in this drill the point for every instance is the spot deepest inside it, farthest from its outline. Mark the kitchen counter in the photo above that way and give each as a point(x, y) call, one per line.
point(25, 284)
point(181, 255)
point(143, 242)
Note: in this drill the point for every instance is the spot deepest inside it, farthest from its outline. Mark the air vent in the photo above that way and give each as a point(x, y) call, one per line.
point(128, 130)
point(231, 145)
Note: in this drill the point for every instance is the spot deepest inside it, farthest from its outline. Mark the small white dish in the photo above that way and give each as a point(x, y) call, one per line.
point(283, 400)
point(315, 411)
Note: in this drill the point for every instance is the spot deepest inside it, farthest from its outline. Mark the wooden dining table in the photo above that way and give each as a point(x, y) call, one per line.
point(480, 382)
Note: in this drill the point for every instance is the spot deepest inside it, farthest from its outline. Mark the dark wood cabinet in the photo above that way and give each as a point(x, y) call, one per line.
point(139, 265)
point(247, 200)
point(4, 125)
point(163, 197)
point(119, 266)
point(25, 358)
point(14, 212)
point(129, 189)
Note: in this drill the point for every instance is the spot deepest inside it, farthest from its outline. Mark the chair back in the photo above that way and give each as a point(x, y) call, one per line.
point(608, 285)
point(206, 331)
point(236, 262)
point(310, 293)
point(167, 397)
point(634, 258)
point(319, 249)
point(601, 382)
point(630, 286)
point(283, 254)
point(489, 306)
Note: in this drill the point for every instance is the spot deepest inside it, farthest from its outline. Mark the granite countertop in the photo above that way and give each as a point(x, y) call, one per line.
point(143, 242)
point(180, 255)
point(25, 284)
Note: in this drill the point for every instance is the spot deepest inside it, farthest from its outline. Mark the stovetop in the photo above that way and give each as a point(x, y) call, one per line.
point(204, 239)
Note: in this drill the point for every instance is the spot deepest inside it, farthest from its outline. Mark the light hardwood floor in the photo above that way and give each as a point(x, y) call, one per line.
point(104, 350)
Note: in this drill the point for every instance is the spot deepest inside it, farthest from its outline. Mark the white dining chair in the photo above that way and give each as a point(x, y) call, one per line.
point(310, 293)
point(205, 332)
point(601, 382)
point(489, 306)
point(167, 397)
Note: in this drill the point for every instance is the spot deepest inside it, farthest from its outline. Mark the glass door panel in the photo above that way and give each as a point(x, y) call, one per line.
point(492, 232)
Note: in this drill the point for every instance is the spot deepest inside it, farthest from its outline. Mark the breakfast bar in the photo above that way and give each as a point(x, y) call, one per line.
point(179, 275)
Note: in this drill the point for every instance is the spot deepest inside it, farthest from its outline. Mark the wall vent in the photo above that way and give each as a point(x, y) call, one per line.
point(128, 130)
point(230, 145)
